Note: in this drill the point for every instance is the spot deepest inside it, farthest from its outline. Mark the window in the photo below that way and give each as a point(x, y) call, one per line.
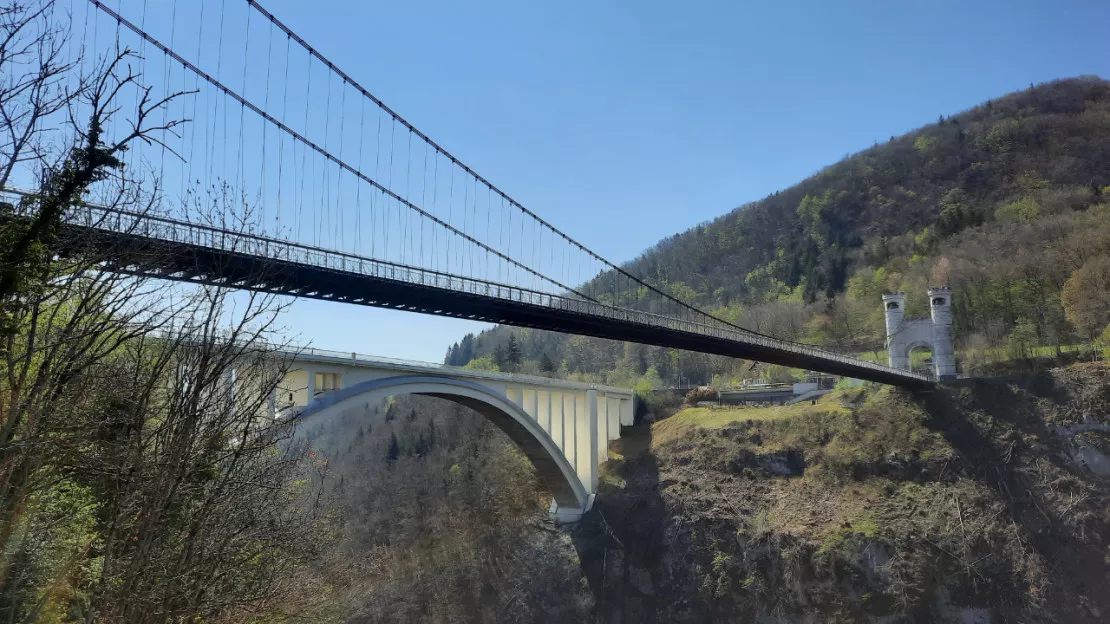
point(938, 301)
point(326, 382)
point(893, 305)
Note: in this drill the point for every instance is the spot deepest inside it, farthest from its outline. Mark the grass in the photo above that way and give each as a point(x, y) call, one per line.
point(718, 417)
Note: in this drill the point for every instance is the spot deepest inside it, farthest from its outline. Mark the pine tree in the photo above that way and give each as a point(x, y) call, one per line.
point(514, 355)
point(394, 449)
point(546, 365)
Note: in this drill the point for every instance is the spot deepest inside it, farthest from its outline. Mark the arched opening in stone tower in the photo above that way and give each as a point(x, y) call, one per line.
point(921, 358)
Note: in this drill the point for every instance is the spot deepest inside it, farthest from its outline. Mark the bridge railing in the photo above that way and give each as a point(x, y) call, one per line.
point(242, 241)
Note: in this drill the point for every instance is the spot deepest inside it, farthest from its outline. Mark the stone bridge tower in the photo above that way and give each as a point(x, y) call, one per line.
point(904, 335)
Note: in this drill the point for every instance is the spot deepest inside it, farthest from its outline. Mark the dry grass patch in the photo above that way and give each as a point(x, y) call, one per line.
point(718, 417)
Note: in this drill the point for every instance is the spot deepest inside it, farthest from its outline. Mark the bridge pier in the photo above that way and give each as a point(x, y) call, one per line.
point(570, 428)
point(310, 372)
point(601, 449)
point(566, 515)
point(613, 410)
point(588, 457)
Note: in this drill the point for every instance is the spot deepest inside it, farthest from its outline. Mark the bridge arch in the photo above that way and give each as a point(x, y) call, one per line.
point(552, 467)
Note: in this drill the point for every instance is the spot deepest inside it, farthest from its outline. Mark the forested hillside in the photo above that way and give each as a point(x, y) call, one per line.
point(1006, 202)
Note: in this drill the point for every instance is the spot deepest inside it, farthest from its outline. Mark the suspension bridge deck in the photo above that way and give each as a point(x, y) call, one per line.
point(178, 250)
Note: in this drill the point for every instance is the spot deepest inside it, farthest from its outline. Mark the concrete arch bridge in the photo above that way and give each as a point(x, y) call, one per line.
point(563, 427)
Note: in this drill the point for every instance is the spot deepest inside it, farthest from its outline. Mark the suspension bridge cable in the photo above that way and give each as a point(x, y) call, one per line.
point(682, 306)
point(316, 148)
point(399, 119)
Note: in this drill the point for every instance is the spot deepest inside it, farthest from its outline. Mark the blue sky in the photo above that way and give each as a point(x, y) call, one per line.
point(624, 122)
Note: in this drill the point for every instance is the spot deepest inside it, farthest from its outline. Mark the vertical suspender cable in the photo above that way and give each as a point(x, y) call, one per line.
point(239, 167)
point(304, 151)
point(219, 76)
point(325, 199)
point(337, 230)
point(392, 136)
point(423, 202)
point(405, 243)
point(435, 209)
point(450, 218)
point(358, 183)
point(165, 109)
point(266, 127)
point(281, 138)
point(196, 96)
point(377, 176)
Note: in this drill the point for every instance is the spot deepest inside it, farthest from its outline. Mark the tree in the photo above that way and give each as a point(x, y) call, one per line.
point(394, 450)
point(33, 95)
point(513, 354)
point(129, 452)
point(1086, 296)
point(546, 365)
point(486, 363)
point(500, 358)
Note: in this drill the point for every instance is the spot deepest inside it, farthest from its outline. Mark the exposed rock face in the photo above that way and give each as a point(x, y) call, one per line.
point(986, 502)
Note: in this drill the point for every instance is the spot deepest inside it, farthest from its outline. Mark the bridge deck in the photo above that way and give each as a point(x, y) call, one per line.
point(178, 250)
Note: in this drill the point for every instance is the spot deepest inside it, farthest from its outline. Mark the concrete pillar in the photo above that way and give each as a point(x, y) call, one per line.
point(628, 415)
point(614, 413)
point(530, 403)
point(555, 409)
point(311, 389)
point(602, 448)
point(543, 409)
point(515, 395)
point(271, 403)
point(570, 440)
point(588, 439)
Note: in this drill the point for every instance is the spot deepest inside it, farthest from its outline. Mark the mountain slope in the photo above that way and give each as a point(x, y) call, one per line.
point(809, 262)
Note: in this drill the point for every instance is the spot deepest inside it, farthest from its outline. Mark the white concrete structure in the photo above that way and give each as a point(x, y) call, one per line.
point(904, 335)
point(564, 427)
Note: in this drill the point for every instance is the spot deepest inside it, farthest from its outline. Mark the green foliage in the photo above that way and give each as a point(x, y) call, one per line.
point(649, 382)
point(1022, 340)
point(813, 224)
point(924, 144)
point(775, 373)
point(483, 363)
point(1103, 341)
point(47, 554)
point(1025, 210)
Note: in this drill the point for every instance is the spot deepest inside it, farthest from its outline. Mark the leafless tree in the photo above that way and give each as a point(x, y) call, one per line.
point(57, 317)
point(142, 477)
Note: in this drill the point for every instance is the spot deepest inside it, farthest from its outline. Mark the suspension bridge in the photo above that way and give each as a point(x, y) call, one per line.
point(288, 176)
